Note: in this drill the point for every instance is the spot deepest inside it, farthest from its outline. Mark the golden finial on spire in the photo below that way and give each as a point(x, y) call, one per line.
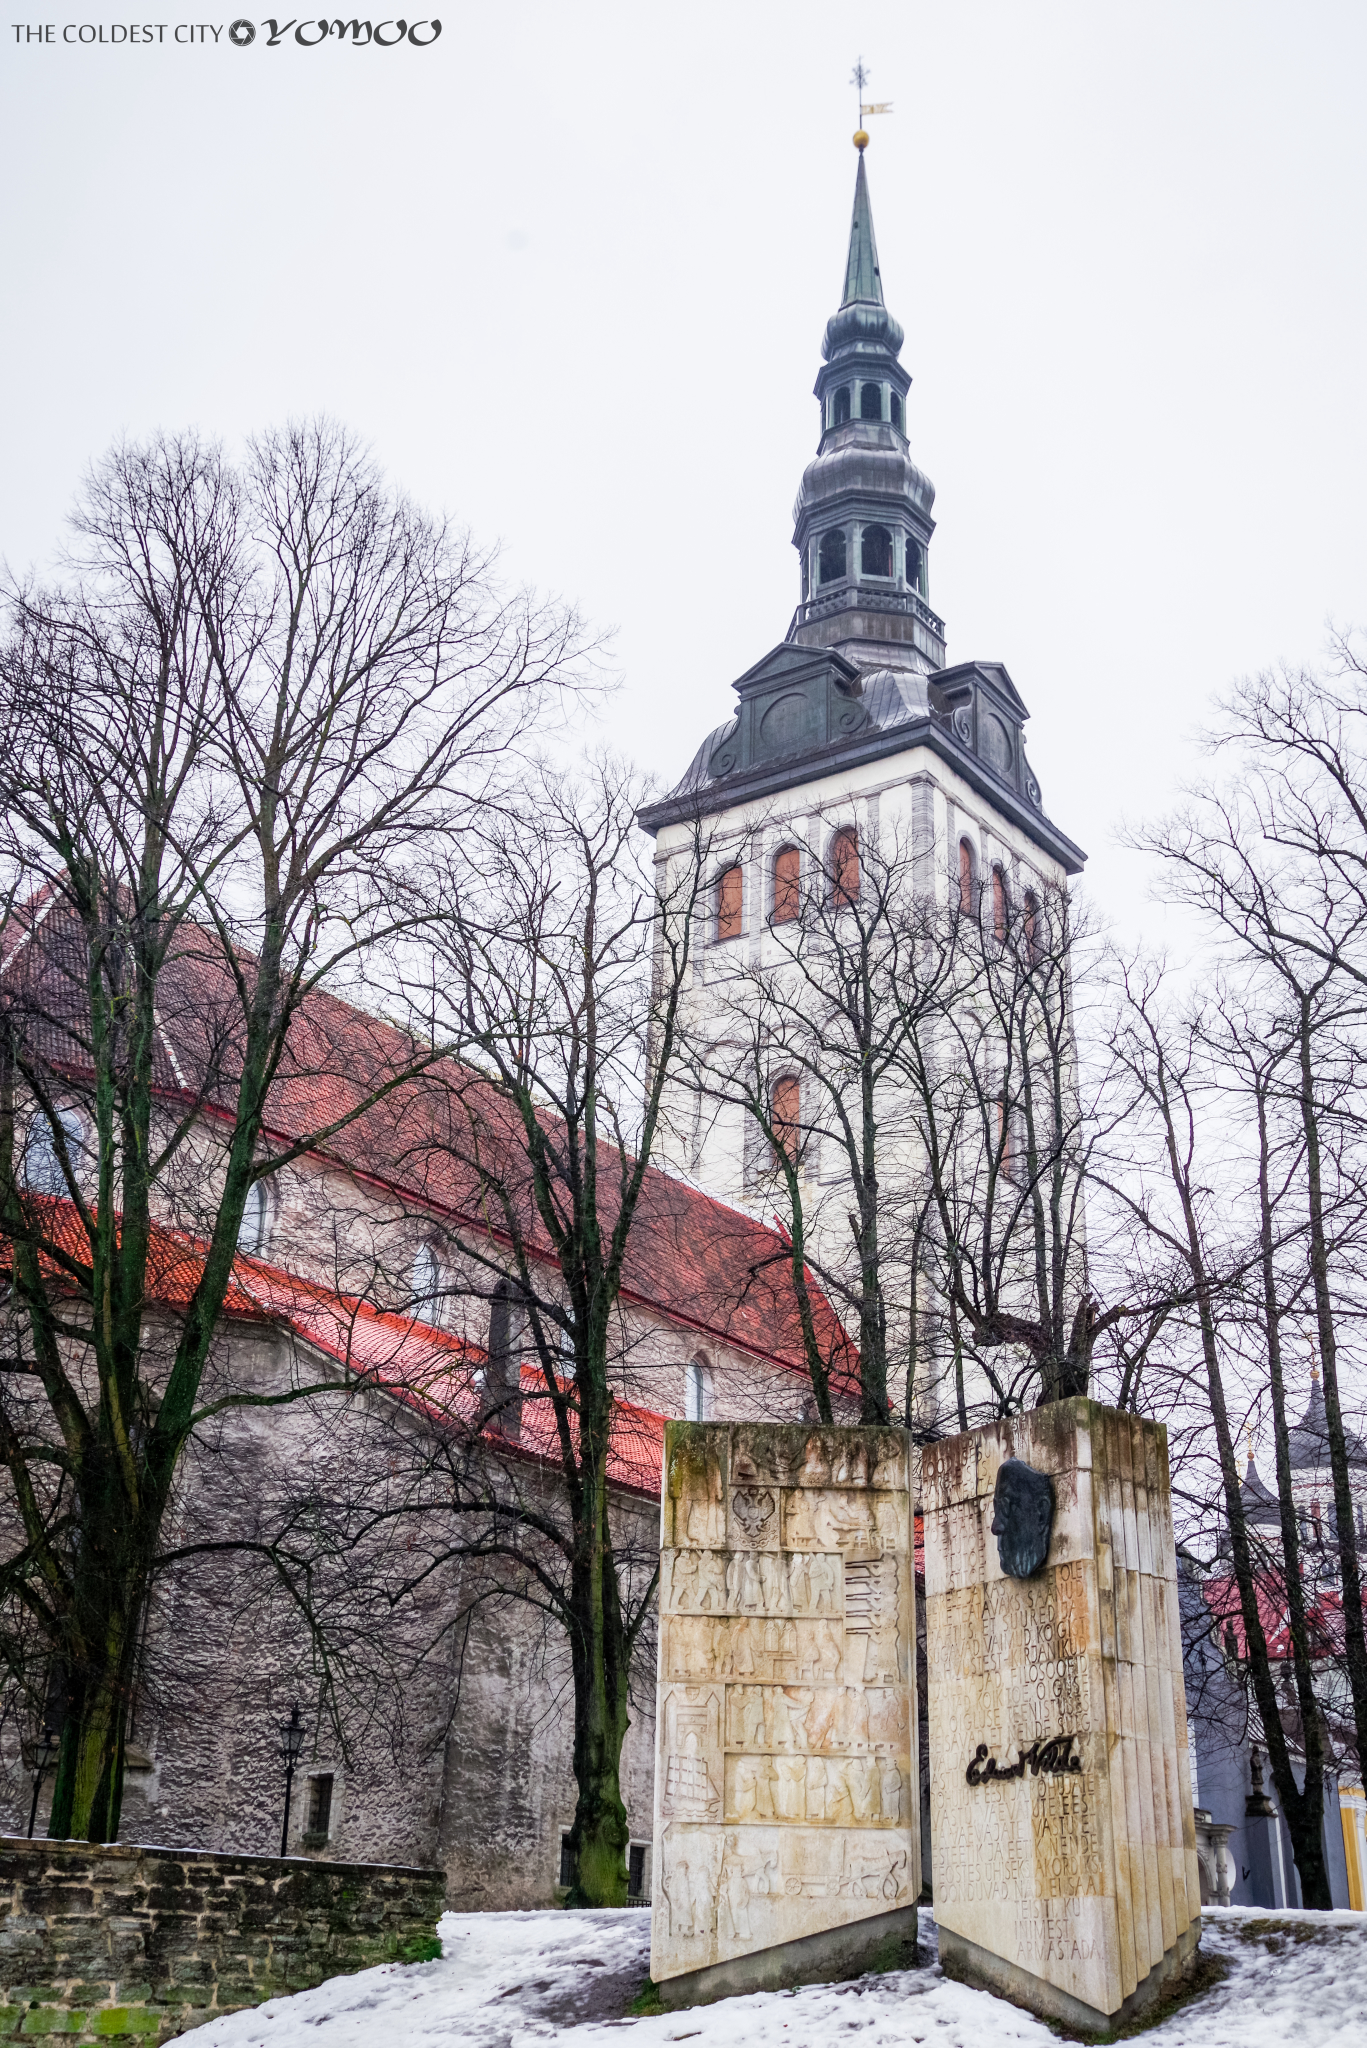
point(859, 78)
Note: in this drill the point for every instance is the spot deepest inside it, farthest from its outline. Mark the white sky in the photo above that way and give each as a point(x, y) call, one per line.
point(568, 270)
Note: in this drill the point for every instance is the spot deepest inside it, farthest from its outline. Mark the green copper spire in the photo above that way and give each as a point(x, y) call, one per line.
point(862, 280)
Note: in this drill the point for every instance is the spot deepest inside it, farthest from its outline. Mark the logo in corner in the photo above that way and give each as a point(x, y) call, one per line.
point(241, 33)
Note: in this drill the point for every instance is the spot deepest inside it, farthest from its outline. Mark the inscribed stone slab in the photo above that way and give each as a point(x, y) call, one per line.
point(1063, 1837)
point(785, 1788)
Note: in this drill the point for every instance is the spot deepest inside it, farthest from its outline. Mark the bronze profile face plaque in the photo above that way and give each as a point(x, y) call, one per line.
point(1022, 1518)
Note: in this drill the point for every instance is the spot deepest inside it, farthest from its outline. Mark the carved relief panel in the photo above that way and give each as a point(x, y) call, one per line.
point(785, 1797)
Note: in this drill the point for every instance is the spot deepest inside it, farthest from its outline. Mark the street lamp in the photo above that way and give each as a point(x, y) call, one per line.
point(50, 1741)
point(291, 1749)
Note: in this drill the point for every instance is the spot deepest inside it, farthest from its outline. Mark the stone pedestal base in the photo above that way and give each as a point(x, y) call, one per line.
point(886, 1942)
point(968, 1964)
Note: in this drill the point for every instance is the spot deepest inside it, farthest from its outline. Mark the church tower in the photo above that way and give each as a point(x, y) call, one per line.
point(851, 733)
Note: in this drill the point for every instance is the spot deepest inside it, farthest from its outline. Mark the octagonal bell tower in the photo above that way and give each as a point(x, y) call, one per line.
point(862, 523)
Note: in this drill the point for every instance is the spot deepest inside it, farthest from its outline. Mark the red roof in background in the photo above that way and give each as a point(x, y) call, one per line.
point(428, 1368)
point(1324, 1615)
point(697, 1261)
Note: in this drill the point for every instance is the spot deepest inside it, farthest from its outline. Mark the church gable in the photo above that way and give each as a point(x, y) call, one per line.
point(796, 701)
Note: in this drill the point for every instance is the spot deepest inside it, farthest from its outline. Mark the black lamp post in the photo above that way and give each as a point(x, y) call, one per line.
point(291, 1749)
point(50, 1741)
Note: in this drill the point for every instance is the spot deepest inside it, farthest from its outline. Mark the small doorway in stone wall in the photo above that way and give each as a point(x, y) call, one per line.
point(638, 1887)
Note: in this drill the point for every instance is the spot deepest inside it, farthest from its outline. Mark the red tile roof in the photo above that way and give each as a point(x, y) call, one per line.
point(696, 1261)
point(428, 1368)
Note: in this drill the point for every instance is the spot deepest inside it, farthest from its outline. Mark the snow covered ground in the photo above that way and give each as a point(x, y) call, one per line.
point(511, 1980)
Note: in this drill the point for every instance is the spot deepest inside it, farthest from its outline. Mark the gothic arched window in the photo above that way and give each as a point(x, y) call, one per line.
point(503, 1380)
point(43, 1170)
point(697, 1390)
point(871, 402)
point(831, 558)
point(426, 1285)
point(845, 868)
point(729, 898)
point(785, 1116)
point(968, 877)
point(842, 405)
point(916, 565)
point(875, 552)
point(787, 874)
point(256, 1215)
point(1001, 906)
point(895, 404)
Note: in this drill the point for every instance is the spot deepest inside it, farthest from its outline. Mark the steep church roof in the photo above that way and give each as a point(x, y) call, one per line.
point(1309, 1438)
point(1260, 1506)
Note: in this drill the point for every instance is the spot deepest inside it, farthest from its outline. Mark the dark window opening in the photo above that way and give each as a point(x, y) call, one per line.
point(785, 1114)
point(832, 555)
point(729, 904)
point(787, 871)
point(503, 1381)
point(916, 566)
point(320, 1806)
point(566, 1862)
point(871, 402)
point(895, 404)
point(845, 868)
point(636, 1871)
point(875, 552)
point(842, 405)
point(1034, 943)
point(968, 876)
point(1001, 907)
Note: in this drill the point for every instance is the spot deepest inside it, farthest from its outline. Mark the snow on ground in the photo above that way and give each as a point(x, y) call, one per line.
point(516, 1980)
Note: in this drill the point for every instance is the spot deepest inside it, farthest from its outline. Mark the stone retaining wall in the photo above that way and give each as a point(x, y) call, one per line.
point(97, 1942)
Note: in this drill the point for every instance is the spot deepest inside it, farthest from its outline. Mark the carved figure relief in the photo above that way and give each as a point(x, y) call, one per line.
point(1022, 1518)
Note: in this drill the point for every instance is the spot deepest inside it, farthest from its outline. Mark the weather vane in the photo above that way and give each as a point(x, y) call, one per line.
point(859, 78)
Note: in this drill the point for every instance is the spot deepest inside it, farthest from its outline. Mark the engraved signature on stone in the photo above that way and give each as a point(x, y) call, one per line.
point(1053, 1757)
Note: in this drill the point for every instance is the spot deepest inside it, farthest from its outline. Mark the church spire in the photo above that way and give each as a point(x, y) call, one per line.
point(862, 521)
point(862, 277)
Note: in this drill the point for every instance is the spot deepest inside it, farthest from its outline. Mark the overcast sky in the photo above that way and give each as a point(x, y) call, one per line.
point(568, 267)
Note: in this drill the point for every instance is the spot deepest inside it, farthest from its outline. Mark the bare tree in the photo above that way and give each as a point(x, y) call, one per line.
point(540, 975)
point(260, 689)
point(1273, 855)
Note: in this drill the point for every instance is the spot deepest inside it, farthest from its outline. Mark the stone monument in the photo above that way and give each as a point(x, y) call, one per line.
point(787, 1811)
point(1063, 1839)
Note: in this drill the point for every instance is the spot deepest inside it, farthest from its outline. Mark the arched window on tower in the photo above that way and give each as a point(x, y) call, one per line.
point(785, 1117)
point(845, 868)
point(1001, 906)
point(875, 552)
point(1033, 928)
point(697, 1390)
point(787, 875)
point(895, 407)
point(832, 555)
point(730, 896)
point(871, 402)
point(968, 877)
point(916, 566)
point(842, 405)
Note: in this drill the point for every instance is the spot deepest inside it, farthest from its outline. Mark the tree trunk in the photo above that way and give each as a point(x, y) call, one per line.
point(1304, 1818)
point(601, 1660)
point(1354, 1643)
